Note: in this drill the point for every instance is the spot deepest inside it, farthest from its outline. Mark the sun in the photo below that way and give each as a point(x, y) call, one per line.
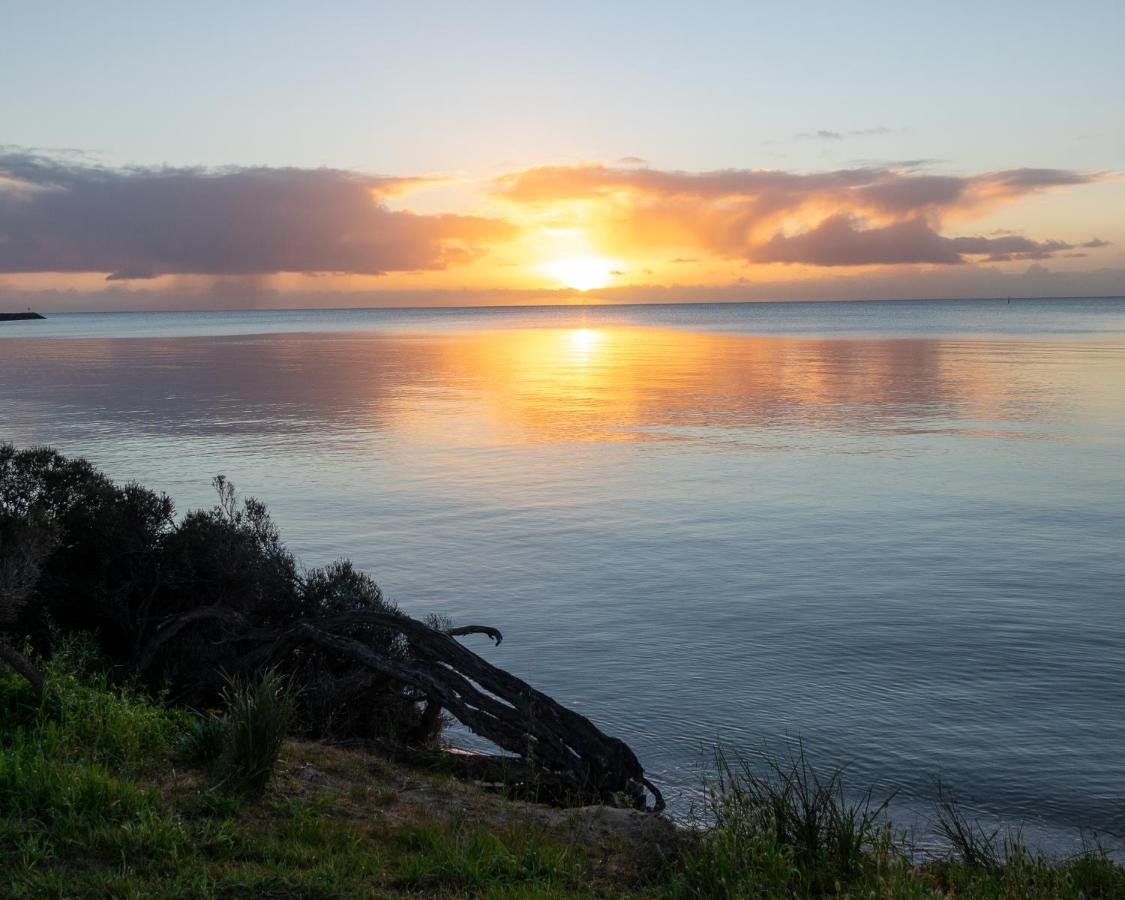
point(583, 273)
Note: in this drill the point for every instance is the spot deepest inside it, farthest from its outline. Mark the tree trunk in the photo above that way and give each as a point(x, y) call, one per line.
point(21, 664)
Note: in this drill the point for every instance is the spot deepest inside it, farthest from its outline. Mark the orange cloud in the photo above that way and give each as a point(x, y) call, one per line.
point(862, 216)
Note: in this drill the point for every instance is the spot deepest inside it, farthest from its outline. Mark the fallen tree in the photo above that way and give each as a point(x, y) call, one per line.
point(572, 758)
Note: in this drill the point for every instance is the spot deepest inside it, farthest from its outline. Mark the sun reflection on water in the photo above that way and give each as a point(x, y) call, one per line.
point(585, 340)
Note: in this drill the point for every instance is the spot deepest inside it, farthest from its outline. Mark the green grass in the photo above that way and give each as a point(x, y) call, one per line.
point(297, 849)
point(780, 828)
point(92, 805)
point(67, 762)
point(96, 800)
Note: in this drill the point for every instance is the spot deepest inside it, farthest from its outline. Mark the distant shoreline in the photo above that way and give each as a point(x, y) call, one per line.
point(588, 304)
point(18, 317)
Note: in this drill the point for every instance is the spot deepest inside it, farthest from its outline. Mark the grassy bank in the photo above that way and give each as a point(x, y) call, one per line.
point(103, 794)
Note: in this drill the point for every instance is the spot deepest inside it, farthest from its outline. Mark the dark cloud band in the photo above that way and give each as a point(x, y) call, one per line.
point(59, 216)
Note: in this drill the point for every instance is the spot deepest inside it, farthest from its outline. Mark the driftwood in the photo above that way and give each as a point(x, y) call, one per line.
point(567, 750)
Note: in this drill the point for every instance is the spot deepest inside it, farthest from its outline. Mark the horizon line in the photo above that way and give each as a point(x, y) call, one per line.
point(502, 306)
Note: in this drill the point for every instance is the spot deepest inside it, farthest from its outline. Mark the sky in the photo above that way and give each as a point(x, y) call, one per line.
point(200, 155)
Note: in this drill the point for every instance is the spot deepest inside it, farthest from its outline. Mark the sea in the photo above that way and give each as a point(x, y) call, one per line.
point(889, 533)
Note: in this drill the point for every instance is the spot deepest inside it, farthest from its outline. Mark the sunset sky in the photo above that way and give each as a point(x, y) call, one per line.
point(232, 155)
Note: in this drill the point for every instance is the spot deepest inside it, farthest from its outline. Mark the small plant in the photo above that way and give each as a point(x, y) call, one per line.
point(253, 728)
point(976, 846)
point(203, 744)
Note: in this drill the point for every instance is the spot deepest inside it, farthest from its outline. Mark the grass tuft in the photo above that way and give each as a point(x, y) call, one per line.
point(253, 729)
point(977, 846)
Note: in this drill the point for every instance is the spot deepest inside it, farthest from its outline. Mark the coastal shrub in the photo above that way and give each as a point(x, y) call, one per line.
point(337, 698)
point(234, 553)
point(253, 728)
point(111, 561)
point(26, 538)
point(229, 557)
point(103, 564)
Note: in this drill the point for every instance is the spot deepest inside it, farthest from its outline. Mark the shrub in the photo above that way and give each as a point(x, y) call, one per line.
point(338, 699)
point(103, 565)
point(111, 561)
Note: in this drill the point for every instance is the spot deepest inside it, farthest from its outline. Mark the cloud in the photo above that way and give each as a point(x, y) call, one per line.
point(838, 241)
point(70, 216)
point(824, 134)
point(860, 216)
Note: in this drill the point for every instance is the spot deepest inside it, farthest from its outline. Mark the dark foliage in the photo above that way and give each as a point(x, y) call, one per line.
point(90, 556)
point(103, 572)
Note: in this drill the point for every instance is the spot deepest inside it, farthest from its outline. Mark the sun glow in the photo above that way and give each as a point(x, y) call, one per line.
point(583, 273)
point(584, 340)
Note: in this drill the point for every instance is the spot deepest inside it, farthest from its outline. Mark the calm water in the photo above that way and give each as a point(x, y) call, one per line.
point(892, 529)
